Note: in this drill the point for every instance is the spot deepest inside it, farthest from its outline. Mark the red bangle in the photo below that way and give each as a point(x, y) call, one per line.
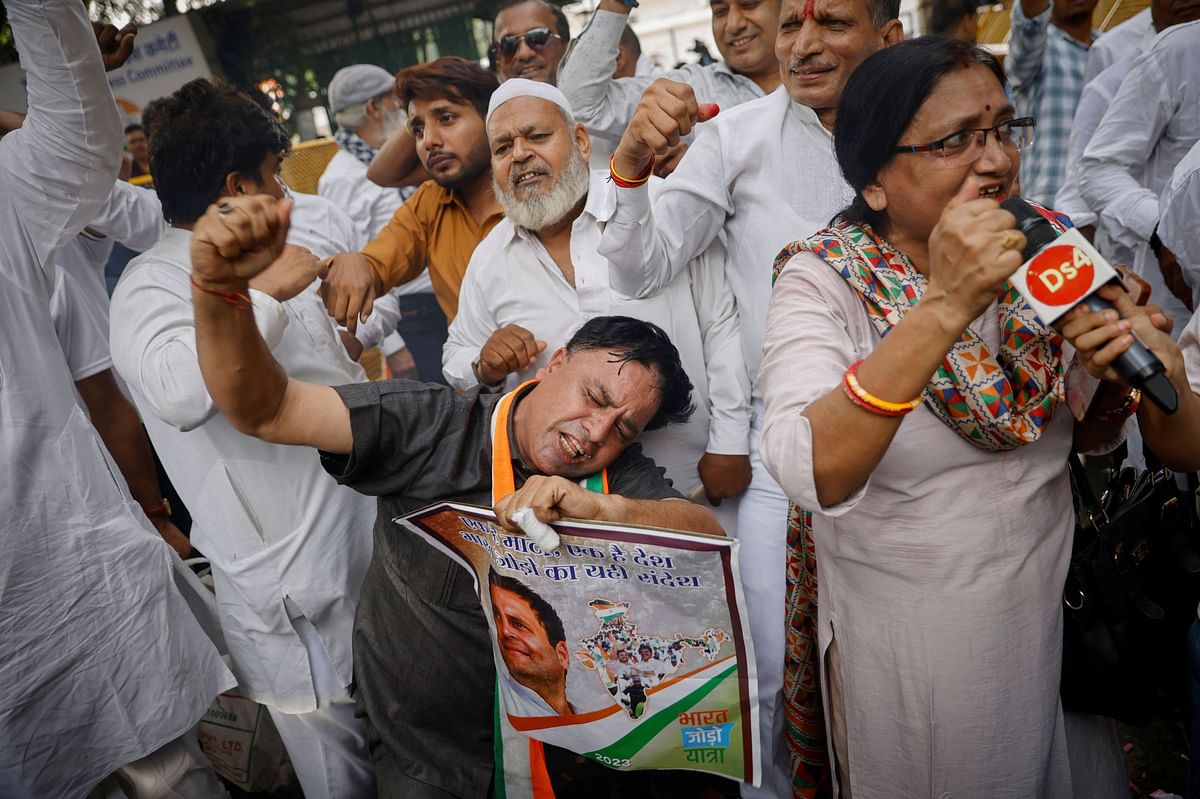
point(868, 401)
point(238, 299)
point(629, 183)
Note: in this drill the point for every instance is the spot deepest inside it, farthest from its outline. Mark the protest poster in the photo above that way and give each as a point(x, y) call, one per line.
point(628, 645)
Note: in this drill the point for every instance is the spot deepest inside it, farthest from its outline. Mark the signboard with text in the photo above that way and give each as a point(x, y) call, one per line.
point(627, 645)
point(166, 56)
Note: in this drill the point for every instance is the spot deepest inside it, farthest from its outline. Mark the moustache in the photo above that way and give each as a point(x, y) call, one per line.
point(810, 62)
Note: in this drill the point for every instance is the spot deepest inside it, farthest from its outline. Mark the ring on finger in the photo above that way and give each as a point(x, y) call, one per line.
point(226, 208)
point(1011, 240)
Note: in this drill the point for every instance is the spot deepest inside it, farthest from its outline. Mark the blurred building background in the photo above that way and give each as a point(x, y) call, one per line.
point(289, 49)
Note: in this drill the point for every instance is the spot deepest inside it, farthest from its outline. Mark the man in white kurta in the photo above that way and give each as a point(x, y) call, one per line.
point(1131, 36)
point(763, 174)
point(512, 280)
point(288, 547)
point(605, 103)
point(1097, 96)
point(1152, 123)
point(103, 662)
point(1179, 209)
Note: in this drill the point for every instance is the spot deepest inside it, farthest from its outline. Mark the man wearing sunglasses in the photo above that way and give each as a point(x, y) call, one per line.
point(529, 39)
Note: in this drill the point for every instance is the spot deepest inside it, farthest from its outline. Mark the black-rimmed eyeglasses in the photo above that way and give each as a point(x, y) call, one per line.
point(1015, 134)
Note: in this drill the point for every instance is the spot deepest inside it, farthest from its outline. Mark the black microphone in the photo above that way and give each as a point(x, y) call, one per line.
point(1062, 271)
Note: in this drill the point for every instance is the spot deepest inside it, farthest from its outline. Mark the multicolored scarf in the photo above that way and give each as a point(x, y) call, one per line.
point(997, 402)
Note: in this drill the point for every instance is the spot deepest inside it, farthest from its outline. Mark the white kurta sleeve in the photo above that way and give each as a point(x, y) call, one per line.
point(604, 104)
point(805, 353)
point(132, 216)
point(385, 315)
point(646, 244)
point(728, 379)
point(1180, 214)
point(473, 325)
point(59, 166)
point(153, 338)
point(1121, 147)
point(81, 329)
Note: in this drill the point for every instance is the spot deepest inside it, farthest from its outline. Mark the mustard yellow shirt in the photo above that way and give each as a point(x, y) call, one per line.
point(435, 228)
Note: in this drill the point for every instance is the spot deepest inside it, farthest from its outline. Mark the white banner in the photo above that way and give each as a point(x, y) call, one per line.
point(166, 56)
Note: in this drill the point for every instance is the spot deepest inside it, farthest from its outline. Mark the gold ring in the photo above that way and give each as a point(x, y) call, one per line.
point(1011, 241)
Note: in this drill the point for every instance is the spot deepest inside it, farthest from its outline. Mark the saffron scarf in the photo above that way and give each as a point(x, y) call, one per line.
point(520, 761)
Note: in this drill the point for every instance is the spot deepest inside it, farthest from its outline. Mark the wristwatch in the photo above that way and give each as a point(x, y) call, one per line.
point(490, 387)
point(630, 3)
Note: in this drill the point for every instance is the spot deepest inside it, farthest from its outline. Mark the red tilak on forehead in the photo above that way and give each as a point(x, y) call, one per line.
point(809, 9)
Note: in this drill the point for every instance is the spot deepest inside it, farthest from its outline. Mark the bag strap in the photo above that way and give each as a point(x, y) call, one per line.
point(1091, 512)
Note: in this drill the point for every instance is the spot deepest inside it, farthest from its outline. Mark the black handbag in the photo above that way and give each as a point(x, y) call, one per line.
point(1130, 596)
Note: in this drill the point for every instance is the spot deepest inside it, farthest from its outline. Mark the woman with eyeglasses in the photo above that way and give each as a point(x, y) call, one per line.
point(914, 405)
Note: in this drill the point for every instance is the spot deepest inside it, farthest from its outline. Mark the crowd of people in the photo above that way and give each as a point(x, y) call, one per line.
point(724, 287)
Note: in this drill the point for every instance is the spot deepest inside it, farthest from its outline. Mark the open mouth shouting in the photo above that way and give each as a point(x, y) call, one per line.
point(994, 191)
point(571, 447)
point(527, 177)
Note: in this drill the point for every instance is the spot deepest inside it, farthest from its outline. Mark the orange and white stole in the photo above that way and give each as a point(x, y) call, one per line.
point(520, 761)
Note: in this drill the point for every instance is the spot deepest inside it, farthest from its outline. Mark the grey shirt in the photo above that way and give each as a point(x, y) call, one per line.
point(422, 653)
point(605, 104)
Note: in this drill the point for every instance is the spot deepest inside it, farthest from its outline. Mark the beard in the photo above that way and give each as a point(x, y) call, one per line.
point(476, 162)
point(392, 120)
point(548, 207)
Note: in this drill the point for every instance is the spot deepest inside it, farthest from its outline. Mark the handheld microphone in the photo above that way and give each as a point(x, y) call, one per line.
point(1063, 271)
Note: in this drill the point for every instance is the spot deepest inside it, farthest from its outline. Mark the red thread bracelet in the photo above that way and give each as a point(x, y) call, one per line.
point(238, 299)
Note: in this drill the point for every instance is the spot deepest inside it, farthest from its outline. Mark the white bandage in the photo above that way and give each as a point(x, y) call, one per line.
point(538, 531)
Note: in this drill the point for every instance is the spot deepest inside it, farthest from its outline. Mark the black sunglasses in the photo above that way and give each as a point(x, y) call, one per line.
point(537, 38)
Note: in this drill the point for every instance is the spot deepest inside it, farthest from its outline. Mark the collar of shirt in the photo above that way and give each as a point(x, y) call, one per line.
point(447, 196)
point(520, 471)
point(174, 248)
point(723, 68)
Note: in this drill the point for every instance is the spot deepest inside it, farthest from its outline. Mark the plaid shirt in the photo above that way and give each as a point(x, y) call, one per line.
point(1045, 69)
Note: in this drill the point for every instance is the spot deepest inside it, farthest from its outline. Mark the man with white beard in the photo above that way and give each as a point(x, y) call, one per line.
point(537, 277)
point(763, 174)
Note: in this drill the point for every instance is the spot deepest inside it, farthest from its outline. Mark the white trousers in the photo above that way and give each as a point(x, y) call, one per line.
point(762, 539)
point(328, 747)
point(179, 770)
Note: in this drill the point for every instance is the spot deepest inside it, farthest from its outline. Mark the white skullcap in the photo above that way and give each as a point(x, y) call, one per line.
point(513, 88)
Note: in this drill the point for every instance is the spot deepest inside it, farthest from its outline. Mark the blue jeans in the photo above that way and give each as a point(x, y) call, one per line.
point(423, 327)
point(1193, 654)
